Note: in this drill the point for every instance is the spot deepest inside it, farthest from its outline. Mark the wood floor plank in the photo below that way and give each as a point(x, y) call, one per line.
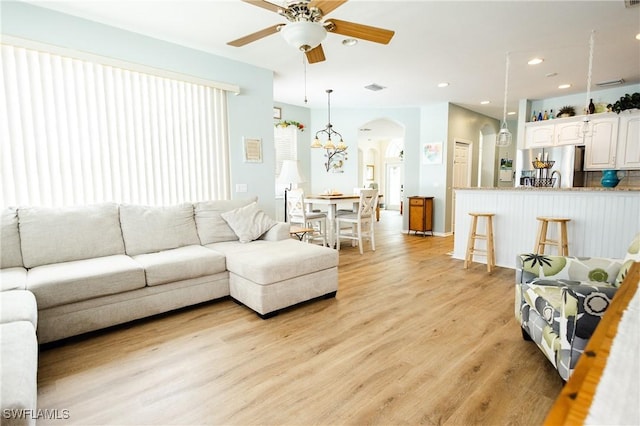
point(411, 338)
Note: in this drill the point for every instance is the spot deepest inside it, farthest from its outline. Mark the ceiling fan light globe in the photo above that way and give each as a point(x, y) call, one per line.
point(303, 35)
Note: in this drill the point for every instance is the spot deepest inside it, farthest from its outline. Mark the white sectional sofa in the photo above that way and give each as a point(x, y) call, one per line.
point(68, 271)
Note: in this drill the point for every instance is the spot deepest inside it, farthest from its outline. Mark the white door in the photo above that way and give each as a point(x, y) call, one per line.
point(461, 173)
point(393, 190)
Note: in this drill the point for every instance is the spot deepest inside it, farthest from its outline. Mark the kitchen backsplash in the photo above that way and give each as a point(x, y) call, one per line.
point(631, 179)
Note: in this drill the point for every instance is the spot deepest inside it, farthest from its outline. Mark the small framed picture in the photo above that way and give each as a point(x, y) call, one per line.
point(370, 170)
point(277, 113)
point(252, 150)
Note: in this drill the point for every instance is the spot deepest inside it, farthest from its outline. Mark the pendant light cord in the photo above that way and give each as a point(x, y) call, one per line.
point(506, 88)
point(591, 43)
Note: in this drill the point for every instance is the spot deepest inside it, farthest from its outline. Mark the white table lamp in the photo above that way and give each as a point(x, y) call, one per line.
point(289, 174)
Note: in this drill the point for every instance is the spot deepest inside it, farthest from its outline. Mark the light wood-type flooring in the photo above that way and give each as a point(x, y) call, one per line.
point(411, 338)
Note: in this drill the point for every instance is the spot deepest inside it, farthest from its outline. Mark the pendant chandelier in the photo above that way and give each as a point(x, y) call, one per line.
point(330, 134)
point(504, 135)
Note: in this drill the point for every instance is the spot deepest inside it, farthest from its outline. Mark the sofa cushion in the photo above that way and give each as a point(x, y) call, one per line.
point(267, 262)
point(69, 282)
point(18, 372)
point(10, 252)
point(13, 278)
point(54, 235)
point(632, 255)
point(180, 264)
point(212, 228)
point(18, 305)
point(248, 222)
point(152, 229)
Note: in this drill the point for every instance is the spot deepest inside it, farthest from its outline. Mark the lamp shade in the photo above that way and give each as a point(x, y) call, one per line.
point(289, 173)
point(303, 35)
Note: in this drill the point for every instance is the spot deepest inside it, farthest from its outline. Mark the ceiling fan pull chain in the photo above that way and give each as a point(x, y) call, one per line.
point(304, 64)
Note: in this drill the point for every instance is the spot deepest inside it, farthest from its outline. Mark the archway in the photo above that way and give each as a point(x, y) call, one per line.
point(380, 155)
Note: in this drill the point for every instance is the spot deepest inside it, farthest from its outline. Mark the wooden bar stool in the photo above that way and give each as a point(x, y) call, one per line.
point(561, 243)
point(473, 236)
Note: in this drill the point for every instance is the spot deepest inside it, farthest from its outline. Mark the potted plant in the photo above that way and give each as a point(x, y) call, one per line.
point(626, 102)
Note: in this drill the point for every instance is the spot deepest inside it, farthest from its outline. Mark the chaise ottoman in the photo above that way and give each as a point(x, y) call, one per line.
point(269, 276)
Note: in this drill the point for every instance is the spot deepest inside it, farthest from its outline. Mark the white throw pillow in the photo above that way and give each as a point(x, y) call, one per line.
point(212, 228)
point(248, 222)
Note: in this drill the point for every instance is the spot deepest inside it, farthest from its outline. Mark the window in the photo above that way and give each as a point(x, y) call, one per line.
point(286, 147)
point(78, 131)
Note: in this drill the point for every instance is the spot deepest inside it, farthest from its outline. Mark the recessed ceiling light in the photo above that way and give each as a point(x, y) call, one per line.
point(564, 86)
point(485, 102)
point(443, 84)
point(349, 42)
point(638, 36)
point(551, 74)
point(511, 113)
point(535, 61)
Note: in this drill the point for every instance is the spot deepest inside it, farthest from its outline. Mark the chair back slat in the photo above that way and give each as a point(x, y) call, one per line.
point(368, 203)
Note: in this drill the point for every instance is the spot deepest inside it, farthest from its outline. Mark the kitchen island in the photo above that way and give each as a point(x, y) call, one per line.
point(603, 220)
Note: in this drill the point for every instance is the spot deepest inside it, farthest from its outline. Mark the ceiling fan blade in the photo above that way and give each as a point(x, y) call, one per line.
point(264, 4)
point(364, 32)
point(327, 6)
point(255, 36)
point(315, 55)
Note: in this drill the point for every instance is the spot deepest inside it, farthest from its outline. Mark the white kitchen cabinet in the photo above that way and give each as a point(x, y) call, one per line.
point(569, 133)
point(538, 135)
point(600, 144)
point(628, 155)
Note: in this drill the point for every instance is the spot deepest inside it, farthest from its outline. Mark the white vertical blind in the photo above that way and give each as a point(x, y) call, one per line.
point(79, 132)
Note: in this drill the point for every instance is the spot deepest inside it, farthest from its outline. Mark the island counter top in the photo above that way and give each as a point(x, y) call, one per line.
point(603, 220)
point(539, 188)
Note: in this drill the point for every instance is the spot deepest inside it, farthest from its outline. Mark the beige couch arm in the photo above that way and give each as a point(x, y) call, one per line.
point(279, 231)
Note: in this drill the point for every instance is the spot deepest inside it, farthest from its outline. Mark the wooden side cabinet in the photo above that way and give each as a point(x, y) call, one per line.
point(421, 214)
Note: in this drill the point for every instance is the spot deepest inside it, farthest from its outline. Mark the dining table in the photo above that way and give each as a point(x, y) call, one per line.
point(332, 201)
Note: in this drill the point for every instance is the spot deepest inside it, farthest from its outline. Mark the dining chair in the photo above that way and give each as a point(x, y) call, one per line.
point(298, 214)
point(361, 222)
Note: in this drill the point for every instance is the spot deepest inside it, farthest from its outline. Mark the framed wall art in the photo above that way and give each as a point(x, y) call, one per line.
point(252, 150)
point(432, 153)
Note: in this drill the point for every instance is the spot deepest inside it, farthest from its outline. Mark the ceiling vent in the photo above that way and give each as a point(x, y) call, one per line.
point(376, 87)
point(631, 3)
point(608, 83)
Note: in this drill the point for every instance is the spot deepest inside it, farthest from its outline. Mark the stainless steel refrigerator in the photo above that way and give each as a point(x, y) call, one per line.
point(568, 165)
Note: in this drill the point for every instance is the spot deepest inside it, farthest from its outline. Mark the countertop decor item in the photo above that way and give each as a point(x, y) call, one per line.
point(609, 178)
point(566, 111)
point(626, 102)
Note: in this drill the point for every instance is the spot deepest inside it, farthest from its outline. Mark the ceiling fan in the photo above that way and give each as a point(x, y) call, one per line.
point(305, 31)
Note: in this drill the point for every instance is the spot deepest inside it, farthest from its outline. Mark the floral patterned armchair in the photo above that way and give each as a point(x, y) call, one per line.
point(559, 300)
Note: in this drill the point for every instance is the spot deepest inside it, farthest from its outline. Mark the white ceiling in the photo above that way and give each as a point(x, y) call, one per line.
point(463, 43)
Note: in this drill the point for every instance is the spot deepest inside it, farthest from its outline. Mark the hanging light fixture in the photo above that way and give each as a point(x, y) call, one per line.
point(504, 135)
point(586, 128)
point(329, 146)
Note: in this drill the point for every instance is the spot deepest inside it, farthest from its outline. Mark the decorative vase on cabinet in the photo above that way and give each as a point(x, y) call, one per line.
point(609, 178)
